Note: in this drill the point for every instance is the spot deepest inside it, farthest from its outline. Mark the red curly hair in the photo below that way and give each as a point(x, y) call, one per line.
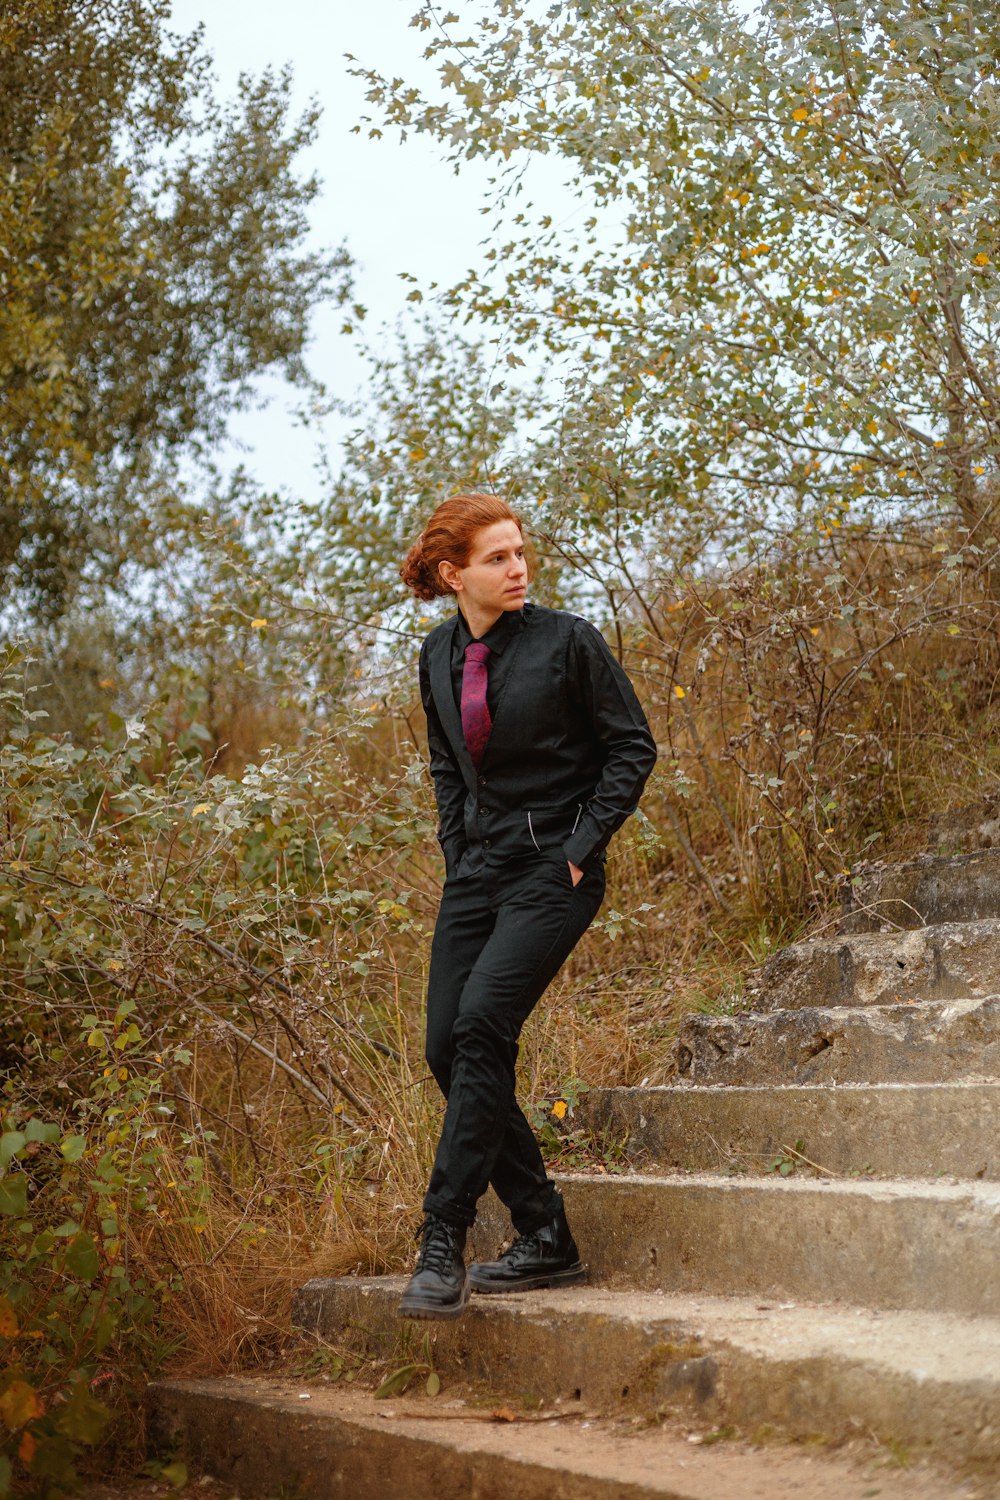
point(449, 537)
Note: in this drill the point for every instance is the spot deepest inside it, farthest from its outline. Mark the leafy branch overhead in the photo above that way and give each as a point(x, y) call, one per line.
point(153, 262)
point(780, 291)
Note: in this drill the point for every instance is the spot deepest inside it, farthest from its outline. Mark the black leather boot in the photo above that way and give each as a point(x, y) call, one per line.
point(439, 1286)
point(546, 1257)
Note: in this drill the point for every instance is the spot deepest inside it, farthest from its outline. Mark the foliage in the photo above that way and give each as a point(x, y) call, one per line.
point(752, 455)
point(784, 296)
point(159, 924)
point(70, 1297)
point(152, 264)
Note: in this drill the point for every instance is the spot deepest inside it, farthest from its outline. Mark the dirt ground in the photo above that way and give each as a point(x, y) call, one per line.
point(155, 1489)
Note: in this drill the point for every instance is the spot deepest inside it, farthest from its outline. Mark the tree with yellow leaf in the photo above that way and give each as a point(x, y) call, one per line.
point(152, 265)
point(784, 263)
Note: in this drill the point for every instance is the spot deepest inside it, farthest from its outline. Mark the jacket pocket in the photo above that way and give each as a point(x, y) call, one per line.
point(549, 825)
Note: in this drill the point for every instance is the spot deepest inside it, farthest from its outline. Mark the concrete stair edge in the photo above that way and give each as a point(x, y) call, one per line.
point(929, 1381)
point(882, 1244)
point(265, 1440)
point(939, 961)
point(927, 888)
point(918, 1041)
point(889, 1129)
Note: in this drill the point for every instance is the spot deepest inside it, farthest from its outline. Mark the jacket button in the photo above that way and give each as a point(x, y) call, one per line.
point(486, 843)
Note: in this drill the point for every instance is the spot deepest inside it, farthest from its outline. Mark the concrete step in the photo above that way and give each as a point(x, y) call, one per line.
point(930, 1246)
point(888, 1130)
point(916, 1042)
point(262, 1438)
point(930, 1383)
point(965, 827)
point(946, 961)
point(930, 888)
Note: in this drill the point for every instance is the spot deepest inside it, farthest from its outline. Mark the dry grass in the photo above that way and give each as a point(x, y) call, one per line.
point(746, 848)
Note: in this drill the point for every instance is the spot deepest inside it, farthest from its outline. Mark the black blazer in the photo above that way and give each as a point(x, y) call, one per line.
point(569, 752)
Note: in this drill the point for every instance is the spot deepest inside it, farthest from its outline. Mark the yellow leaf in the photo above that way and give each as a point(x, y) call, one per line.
point(19, 1404)
point(856, 468)
point(953, 630)
point(679, 691)
point(203, 807)
point(914, 296)
point(559, 1109)
point(978, 469)
point(982, 259)
point(814, 630)
point(115, 964)
point(873, 425)
point(258, 624)
point(801, 113)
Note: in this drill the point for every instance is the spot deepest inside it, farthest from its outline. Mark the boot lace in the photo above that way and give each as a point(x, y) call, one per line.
point(525, 1247)
point(439, 1248)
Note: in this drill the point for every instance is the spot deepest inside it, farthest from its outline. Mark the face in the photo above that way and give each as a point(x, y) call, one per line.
point(496, 576)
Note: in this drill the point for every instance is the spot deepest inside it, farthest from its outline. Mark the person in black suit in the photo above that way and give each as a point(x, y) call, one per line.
point(539, 751)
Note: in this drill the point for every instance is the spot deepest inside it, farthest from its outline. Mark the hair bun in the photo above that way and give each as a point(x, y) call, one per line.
point(416, 574)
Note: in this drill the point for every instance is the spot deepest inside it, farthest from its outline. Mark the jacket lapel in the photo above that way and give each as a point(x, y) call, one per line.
point(444, 699)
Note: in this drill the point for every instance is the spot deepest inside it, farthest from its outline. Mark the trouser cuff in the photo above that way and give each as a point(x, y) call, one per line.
point(450, 1213)
point(527, 1224)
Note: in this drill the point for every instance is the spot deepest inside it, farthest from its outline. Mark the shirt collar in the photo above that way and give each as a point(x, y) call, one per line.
point(499, 633)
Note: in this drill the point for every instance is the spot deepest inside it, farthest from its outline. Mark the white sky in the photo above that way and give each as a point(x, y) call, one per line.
point(398, 206)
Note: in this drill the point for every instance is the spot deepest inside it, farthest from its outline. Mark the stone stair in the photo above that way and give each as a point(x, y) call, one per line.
point(806, 1246)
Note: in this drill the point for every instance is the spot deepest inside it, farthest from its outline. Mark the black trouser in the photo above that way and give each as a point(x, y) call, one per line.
point(501, 936)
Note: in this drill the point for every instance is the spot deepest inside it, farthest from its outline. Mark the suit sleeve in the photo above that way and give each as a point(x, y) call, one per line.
point(449, 785)
point(606, 695)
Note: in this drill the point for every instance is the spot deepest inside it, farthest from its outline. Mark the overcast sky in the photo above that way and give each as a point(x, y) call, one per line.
point(398, 206)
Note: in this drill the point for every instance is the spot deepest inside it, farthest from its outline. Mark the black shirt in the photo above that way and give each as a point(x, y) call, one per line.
point(500, 633)
point(569, 752)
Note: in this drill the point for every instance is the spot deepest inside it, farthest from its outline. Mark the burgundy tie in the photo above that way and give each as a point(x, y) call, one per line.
point(476, 721)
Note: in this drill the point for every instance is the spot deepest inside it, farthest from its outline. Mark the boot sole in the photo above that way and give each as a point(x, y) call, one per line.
point(427, 1310)
point(529, 1283)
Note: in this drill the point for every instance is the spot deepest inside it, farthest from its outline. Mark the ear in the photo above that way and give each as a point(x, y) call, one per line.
point(450, 576)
